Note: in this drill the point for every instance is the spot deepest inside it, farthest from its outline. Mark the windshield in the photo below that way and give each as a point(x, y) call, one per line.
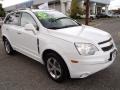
point(55, 20)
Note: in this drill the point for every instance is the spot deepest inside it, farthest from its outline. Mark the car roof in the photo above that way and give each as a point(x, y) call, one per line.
point(35, 10)
point(55, 13)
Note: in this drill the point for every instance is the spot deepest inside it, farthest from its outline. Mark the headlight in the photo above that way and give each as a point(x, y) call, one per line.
point(86, 48)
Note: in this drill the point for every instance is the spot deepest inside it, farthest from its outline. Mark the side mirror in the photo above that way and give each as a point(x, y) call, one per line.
point(30, 27)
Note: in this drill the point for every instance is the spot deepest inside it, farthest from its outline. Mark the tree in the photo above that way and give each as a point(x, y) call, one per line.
point(75, 10)
point(2, 12)
point(87, 12)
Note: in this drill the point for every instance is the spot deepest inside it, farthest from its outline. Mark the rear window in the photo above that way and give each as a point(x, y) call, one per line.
point(13, 18)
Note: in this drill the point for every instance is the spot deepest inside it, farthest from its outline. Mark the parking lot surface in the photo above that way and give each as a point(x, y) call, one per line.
point(19, 72)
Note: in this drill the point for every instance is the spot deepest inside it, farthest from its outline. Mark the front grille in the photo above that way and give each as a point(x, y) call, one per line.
point(105, 41)
point(107, 48)
point(106, 45)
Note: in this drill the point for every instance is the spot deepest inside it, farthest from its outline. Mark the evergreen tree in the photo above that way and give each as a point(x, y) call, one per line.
point(2, 12)
point(75, 9)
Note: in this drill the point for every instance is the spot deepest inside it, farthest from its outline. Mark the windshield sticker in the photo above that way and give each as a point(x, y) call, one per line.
point(42, 15)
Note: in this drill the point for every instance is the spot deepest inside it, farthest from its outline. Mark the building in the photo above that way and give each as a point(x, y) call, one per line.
point(96, 6)
point(54, 4)
point(27, 4)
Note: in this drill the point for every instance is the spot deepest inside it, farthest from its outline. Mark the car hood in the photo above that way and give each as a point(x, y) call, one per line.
point(81, 33)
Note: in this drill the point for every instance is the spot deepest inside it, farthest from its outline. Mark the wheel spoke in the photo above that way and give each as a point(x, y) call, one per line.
point(55, 73)
point(50, 63)
point(54, 61)
point(51, 69)
point(58, 69)
point(54, 68)
point(7, 47)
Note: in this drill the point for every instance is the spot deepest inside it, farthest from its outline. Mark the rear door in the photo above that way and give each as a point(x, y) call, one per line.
point(11, 27)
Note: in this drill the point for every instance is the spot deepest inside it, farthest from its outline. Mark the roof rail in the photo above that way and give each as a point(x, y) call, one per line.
point(31, 9)
point(21, 9)
point(24, 9)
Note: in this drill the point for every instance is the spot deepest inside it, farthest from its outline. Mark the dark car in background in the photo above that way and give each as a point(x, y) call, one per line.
point(101, 15)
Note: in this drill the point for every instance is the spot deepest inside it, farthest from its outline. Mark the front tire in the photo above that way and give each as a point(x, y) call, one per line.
point(8, 48)
point(56, 67)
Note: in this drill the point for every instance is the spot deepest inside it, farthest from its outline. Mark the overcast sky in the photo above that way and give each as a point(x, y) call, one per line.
point(113, 5)
point(12, 2)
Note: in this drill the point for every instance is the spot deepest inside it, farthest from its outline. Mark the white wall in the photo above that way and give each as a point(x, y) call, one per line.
point(102, 1)
point(65, 0)
point(55, 6)
point(43, 1)
point(35, 2)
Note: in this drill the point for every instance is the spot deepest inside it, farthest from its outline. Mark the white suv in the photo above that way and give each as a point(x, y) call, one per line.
point(66, 48)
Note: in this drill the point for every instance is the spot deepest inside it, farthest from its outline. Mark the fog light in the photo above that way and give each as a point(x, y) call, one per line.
point(84, 75)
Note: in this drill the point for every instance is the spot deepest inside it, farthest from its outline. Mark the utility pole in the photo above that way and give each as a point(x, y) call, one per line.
point(87, 12)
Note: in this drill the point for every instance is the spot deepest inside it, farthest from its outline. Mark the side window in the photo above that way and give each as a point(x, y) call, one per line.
point(9, 19)
point(16, 18)
point(13, 19)
point(26, 19)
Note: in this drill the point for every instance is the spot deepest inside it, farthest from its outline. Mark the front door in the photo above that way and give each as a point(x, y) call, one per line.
point(28, 40)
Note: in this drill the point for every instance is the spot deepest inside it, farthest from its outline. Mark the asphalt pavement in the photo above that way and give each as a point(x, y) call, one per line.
point(19, 72)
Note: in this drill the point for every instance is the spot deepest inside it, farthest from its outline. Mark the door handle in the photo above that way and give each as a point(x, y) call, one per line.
point(7, 29)
point(19, 33)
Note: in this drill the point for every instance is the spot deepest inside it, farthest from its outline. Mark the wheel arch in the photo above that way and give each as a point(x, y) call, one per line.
point(4, 37)
point(45, 52)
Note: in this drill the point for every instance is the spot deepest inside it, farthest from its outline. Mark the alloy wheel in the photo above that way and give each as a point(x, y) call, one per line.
point(7, 46)
point(54, 68)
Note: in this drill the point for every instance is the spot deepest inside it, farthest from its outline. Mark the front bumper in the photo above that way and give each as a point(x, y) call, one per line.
point(90, 65)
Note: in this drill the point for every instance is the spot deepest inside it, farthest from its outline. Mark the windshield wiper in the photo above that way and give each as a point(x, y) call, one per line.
point(69, 26)
point(53, 28)
point(61, 18)
point(63, 27)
